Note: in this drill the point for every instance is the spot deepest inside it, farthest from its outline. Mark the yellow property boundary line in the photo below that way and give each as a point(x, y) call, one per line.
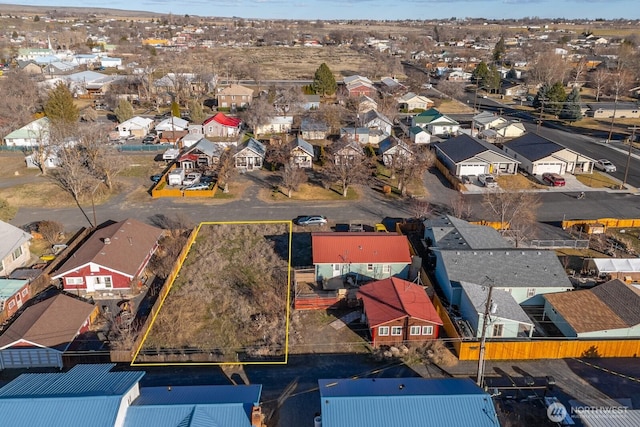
point(181, 262)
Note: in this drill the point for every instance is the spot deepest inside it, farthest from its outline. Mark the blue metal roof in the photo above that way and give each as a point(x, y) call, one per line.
point(8, 287)
point(200, 394)
point(227, 415)
point(407, 402)
point(80, 381)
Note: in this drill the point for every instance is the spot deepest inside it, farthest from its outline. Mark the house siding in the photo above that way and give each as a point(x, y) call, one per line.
point(325, 271)
point(520, 294)
point(406, 324)
point(9, 264)
point(118, 281)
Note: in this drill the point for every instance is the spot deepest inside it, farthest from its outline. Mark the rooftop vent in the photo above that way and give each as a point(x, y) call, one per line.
point(107, 240)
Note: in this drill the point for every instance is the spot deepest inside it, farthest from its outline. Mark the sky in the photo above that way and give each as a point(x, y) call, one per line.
point(368, 9)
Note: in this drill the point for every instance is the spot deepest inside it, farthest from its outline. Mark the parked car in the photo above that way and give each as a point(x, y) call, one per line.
point(191, 178)
point(150, 139)
point(553, 179)
point(197, 186)
point(605, 165)
point(156, 178)
point(487, 180)
point(311, 220)
point(207, 179)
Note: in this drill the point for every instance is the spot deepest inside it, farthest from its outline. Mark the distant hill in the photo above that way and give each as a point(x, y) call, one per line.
point(75, 11)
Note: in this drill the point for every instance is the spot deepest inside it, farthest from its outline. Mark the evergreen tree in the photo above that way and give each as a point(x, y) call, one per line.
point(124, 111)
point(571, 108)
point(541, 97)
point(195, 111)
point(556, 96)
point(492, 80)
point(499, 50)
point(323, 81)
point(61, 110)
point(480, 72)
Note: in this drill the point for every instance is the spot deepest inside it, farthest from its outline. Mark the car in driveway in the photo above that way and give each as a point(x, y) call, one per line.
point(197, 186)
point(156, 178)
point(553, 179)
point(605, 165)
point(150, 140)
point(487, 180)
point(191, 178)
point(311, 220)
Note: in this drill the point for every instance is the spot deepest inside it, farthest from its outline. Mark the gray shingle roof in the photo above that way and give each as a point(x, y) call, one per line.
point(533, 146)
point(464, 147)
point(621, 299)
point(511, 268)
point(454, 233)
point(506, 306)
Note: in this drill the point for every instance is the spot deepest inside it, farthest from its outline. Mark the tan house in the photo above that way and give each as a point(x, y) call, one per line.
point(302, 153)
point(234, 97)
point(14, 248)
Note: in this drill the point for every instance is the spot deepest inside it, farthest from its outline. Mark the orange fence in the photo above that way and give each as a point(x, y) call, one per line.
point(160, 188)
point(607, 222)
point(493, 224)
point(455, 182)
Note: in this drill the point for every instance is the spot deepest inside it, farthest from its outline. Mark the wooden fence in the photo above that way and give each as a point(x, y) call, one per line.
point(160, 188)
point(498, 225)
point(607, 222)
point(455, 182)
point(127, 356)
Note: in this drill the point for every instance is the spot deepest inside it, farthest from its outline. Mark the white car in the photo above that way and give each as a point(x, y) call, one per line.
point(191, 178)
point(605, 165)
point(487, 180)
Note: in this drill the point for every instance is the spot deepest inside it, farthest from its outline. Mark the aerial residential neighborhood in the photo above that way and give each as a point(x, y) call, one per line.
point(277, 222)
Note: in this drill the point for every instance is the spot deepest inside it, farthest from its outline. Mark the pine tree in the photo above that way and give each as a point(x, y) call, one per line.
point(61, 110)
point(541, 97)
point(124, 111)
point(499, 50)
point(556, 96)
point(492, 80)
point(480, 72)
point(571, 108)
point(323, 81)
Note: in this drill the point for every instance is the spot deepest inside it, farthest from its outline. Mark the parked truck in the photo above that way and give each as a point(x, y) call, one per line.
point(176, 176)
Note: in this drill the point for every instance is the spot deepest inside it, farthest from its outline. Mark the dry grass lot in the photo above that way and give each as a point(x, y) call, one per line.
point(308, 192)
point(598, 180)
point(517, 182)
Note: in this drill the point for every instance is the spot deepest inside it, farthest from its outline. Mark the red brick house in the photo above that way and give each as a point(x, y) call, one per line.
point(113, 258)
point(398, 311)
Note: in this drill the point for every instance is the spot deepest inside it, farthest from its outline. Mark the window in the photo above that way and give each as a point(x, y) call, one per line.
point(103, 280)
point(415, 330)
point(25, 292)
point(498, 329)
point(383, 331)
point(427, 330)
point(74, 280)
point(396, 330)
point(369, 267)
point(386, 269)
point(12, 304)
point(531, 292)
point(17, 253)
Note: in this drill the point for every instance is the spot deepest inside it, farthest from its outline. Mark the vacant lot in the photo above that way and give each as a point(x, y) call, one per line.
point(229, 301)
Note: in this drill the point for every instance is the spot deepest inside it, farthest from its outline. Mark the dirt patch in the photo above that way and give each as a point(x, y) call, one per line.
point(311, 331)
point(517, 182)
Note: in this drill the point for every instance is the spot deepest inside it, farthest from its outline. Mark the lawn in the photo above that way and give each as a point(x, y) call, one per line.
point(223, 308)
point(309, 192)
point(598, 180)
point(517, 182)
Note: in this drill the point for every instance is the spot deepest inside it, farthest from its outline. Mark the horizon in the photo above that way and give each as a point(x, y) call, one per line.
point(366, 9)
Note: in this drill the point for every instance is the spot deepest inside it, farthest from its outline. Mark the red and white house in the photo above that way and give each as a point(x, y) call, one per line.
point(113, 258)
point(221, 125)
point(398, 311)
point(13, 293)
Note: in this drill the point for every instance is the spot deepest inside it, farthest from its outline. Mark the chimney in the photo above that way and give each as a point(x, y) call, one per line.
point(257, 417)
point(107, 240)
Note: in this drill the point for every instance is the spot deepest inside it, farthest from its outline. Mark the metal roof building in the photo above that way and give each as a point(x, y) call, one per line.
point(406, 402)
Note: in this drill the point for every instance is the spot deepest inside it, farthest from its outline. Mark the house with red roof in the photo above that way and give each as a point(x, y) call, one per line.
point(112, 259)
point(398, 311)
point(359, 257)
point(221, 126)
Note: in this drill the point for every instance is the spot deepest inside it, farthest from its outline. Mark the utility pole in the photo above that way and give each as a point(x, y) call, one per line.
point(483, 337)
point(542, 100)
point(626, 169)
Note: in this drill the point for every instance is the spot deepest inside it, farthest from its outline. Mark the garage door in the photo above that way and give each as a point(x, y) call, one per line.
point(548, 167)
point(473, 169)
point(27, 358)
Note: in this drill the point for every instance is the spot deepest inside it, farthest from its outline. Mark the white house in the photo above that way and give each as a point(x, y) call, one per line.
point(278, 124)
point(30, 135)
point(411, 102)
point(419, 135)
point(172, 124)
point(135, 126)
point(14, 248)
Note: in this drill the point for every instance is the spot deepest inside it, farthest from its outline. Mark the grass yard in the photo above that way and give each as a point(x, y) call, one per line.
point(309, 192)
point(517, 182)
point(449, 106)
point(598, 180)
point(222, 307)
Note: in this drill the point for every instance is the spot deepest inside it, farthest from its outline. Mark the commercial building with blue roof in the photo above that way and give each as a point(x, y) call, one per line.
point(406, 402)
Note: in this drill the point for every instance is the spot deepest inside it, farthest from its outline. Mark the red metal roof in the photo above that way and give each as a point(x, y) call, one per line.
point(224, 120)
point(393, 298)
point(374, 248)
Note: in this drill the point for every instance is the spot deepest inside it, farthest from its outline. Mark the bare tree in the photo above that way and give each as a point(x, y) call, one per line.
point(103, 162)
point(332, 115)
point(292, 178)
point(226, 168)
point(413, 166)
point(579, 70)
point(20, 100)
point(259, 112)
point(619, 83)
point(598, 80)
point(420, 208)
point(460, 208)
point(347, 170)
point(50, 231)
point(548, 68)
point(451, 89)
point(515, 210)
